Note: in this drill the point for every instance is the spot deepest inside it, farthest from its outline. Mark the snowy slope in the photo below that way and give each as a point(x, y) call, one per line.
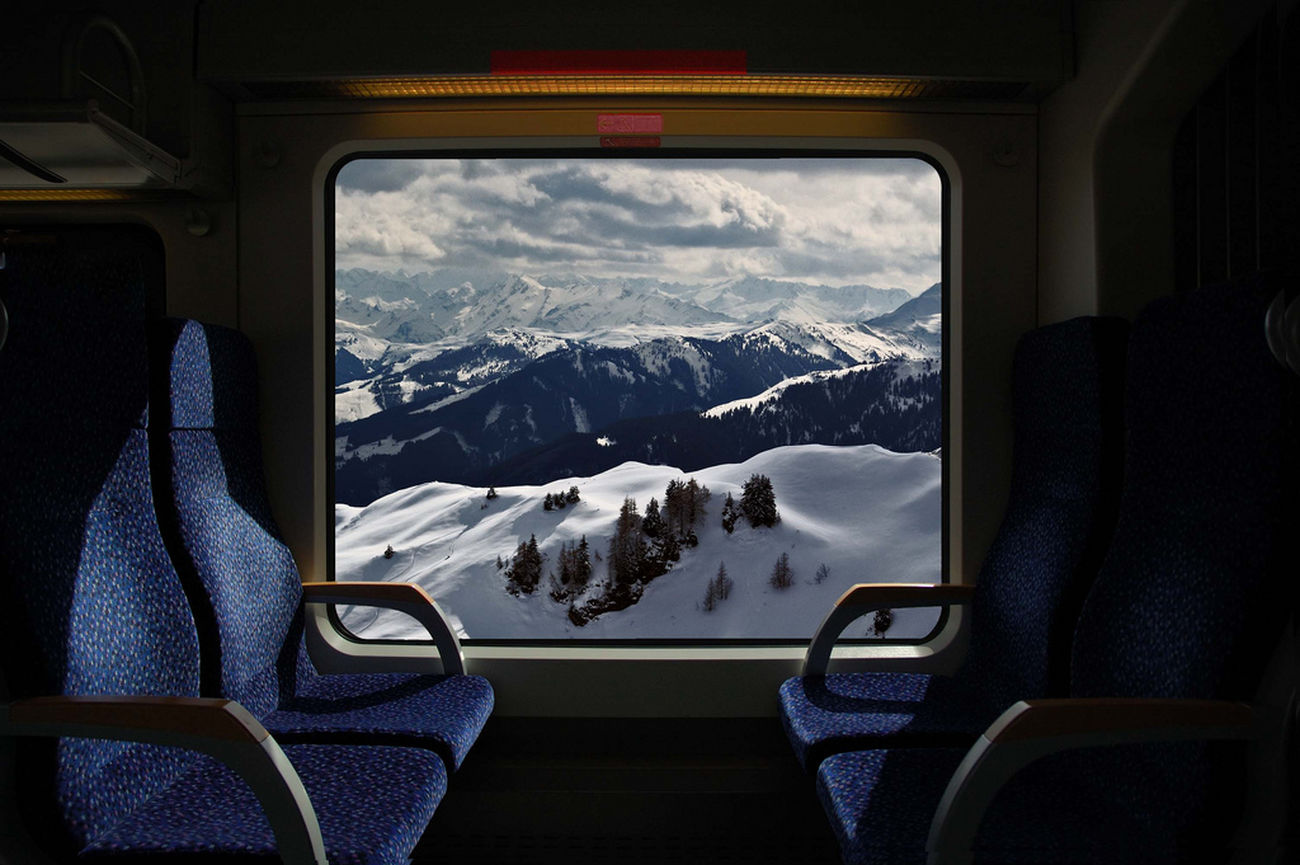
point(902, 369)
point(867, 513)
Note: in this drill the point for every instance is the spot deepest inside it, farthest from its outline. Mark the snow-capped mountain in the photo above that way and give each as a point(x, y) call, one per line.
point(577, 389)
point(753, 298)
point(418, 377)
point(447, 538)
point(896, 404)
point(376, 306)
point(919, 319)
point(439, 379)
point(424, 308)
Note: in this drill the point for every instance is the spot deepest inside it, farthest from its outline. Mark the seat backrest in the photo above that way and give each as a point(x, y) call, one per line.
point(89, 603)
point(216, 514)
point(1067, 389)
point(1195, 590)
point(1193, 593)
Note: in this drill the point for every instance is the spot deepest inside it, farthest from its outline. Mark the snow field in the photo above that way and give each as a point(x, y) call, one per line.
point(869, 514)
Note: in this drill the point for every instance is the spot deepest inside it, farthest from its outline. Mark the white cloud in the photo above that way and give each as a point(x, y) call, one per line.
point(819, 220)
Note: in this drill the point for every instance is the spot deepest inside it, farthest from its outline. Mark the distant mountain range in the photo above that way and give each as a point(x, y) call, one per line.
point(520, 381)
point(423, 308)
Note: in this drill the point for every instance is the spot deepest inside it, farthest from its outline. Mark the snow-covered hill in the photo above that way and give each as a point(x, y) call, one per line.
point(901, 369)
point(866, 513)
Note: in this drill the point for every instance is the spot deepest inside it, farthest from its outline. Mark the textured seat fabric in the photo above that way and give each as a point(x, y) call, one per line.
point(842, 711)
point(229, 550)
point(372, 804)
point(89, 602)
point(445, 713)
point(1191, 598)
point(1067, 391)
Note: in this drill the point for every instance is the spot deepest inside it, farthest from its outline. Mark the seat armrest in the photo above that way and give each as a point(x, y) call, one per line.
point(222, 729)
point(868, 597)
point(407, 598)
point(1033, 729)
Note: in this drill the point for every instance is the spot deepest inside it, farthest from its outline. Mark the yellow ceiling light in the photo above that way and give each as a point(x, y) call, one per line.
point(833, 86)
point(85, 195)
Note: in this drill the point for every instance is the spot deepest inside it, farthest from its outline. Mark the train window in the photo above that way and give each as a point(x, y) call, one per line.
point(611, 397)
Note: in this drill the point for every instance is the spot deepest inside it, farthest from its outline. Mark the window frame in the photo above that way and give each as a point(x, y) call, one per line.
point(683, 147)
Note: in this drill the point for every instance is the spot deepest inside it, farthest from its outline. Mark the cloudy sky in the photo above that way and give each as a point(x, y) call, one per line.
point(833, 221)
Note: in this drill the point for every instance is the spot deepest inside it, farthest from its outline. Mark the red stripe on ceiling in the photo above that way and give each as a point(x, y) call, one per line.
point(619, 62)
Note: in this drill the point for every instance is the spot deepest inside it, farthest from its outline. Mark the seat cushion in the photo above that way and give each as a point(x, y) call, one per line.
point(372, 804)
point(881, 804)
point(852, 711)
point(445, 713)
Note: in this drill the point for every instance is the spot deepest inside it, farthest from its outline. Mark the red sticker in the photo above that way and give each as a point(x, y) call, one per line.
point(629, 141)
point(629, 124)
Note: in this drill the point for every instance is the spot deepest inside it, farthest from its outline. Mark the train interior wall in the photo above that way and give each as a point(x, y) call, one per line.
point(1164, 157)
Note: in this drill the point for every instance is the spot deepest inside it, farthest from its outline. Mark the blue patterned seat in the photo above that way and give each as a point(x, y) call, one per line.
point(249, 593)
point(91, 606)
point(1192, 596)
point(1067, 388)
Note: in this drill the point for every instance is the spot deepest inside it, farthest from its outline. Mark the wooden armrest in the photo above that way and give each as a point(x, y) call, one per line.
point(867, 597)
point(198, 716)
point(881, 595)
point(1031, 730)
point(222, 729)
point(407, 598)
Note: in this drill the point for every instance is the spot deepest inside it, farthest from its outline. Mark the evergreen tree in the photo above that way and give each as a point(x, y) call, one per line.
point(822, 574)
point(730, 513)
point(547, 503)
point(710, 597)
point(653, 522)
point(627, 548)
point(581, 565)
point(718, 589)
point(525, 570)
point(500, 564)
point(696, 496)
point(512, 585)
point(557, 499)
point(758, 501)
point(388, 552)
point(724, 582)
point(672, 548)
point(782, 576)
point(882, 621)
point(564, 577)
point(572, 496)
point(652, 526)
point(491, 493)
point(674, 514)
point(534, 563)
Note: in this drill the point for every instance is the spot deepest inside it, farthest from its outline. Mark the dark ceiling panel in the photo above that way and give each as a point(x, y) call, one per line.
point(245, 41)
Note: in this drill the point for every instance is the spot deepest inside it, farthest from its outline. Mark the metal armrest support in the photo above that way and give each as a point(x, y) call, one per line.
point(868, 597)
point(404, 597)
point(1033, 729)
point(221, 729)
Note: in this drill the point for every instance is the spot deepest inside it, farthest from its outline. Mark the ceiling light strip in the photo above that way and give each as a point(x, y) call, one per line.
point(16, 195)
point(599, 85)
